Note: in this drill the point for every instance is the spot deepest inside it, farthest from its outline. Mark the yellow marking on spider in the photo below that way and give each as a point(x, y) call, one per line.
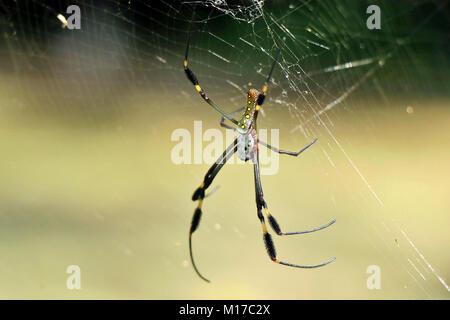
point(257, 108)
point(264, 89)
point(198, 88)
point(185, 63)
point(264, 227)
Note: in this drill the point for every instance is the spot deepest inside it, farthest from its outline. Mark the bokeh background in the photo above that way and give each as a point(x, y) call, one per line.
point(86, 176)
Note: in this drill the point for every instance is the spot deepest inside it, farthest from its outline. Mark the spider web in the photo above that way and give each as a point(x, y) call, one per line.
point(330, 63)
point(311, 91)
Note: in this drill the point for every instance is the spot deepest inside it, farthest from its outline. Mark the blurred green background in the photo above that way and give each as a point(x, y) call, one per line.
point(86, 176)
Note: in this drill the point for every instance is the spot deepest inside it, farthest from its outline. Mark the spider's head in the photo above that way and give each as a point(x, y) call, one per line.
point(252, 95)
point(247, 117)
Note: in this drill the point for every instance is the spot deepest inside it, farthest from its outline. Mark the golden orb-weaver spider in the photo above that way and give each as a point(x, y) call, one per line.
point(246, 146)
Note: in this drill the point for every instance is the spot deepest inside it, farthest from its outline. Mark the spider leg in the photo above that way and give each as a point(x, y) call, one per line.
point(272, 221)
point(262, 95)
point(191, 76)
point(199, 195)
point(260, 204)
point(222, 120)
point(290, 153)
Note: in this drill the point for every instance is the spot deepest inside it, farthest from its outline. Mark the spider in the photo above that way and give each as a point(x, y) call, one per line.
point(246, 146)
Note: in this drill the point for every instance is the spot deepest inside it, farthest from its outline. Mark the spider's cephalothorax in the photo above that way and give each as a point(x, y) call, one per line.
point(246, 146)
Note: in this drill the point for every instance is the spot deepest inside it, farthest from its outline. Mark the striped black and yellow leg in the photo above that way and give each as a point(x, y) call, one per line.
point(262, 94)
point(276, 227)
point(273, 222)
point(261, 205)
point(193, 79)
point(199, 195)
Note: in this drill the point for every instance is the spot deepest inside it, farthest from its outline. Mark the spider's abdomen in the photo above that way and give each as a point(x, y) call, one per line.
point(247, 145)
